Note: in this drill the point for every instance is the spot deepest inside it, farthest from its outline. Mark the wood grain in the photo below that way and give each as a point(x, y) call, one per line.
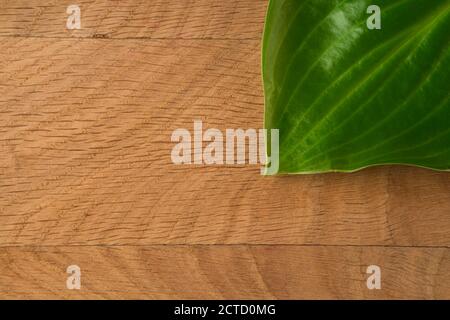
point(215, 19)
point(86, 176)
point(85, 156)
point(225, 272)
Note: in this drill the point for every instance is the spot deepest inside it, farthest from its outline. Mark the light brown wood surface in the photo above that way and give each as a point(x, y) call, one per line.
point(86, 176)
point(225, 272)
point(166, 19)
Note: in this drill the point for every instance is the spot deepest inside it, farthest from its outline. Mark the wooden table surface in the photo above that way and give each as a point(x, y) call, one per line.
point(86, 176)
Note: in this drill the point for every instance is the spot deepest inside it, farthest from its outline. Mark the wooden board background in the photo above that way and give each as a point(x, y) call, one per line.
point(86, 176)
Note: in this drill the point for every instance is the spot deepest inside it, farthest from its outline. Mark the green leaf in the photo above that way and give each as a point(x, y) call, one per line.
point(345, 97)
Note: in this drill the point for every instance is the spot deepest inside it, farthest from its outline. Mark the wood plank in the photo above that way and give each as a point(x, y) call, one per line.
point(233, 19)
point(85, 129)
point(225, 272)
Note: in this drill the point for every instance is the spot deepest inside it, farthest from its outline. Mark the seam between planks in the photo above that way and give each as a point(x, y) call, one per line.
point(223, 245)
point(134, 38)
